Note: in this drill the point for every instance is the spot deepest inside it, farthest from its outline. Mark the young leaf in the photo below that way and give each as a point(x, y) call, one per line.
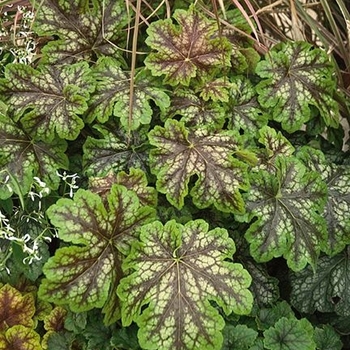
point(112, 96)
point(238, 337)
point(326, 338)
point(176, 271)
point(135, 181)
point(187, 50)
point(81, 274)
point(49, 100)
point(125, 338)
point(337, 210)
point(114, 151)
point(290, 334)
point(20, 338)
point(15, 308)
point(296, 76)
point(181, 154)
point(83, 31)
point(267, 317)
point(216, 90)
point(194, 111)
point(98, 335)
point(55, 320)
point(287, 208)
point(264, 287)
point(275, 145)
point(325, 289)
point(23, 158)
point(244, 111)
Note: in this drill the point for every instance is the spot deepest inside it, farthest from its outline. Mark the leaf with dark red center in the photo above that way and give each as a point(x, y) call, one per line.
point(15, 308)
point(187, 50)
point(175, 271)
point(180, 154)
point(99, 232)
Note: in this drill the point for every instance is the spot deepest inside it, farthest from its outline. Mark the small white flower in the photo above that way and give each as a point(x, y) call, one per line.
point(40, 182)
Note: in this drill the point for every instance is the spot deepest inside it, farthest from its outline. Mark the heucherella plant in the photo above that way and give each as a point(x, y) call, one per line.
point(177, 270)
point(168, 183)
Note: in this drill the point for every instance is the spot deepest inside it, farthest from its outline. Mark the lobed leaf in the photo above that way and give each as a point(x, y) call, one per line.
point(195, 111)
point(20, 338)
point(337, 210)
point(180, 154)
point(15, 308)
point(239, 337)
point(287, 207)
point(185, 51)
point(326, 338)
point(296, 76)
point(23, 158)
point(290, 334)
point(264, 287)
point(55, 320)
point(81, 274)
point(113, 151)
point(325, 289)
point(244, 111)
point(176, 270)
point(216, 90)
point(267, 317)
point(276, 145)
point(136, 181)
point(112, 96)
point(48, 101)
point(83, 31)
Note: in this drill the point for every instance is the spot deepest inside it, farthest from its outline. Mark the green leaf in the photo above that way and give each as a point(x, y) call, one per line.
point(81, 274)
point(244, 111)
point(98, 335)
point(48, 101)
point(180, 154)
point(59, 341)
point(187, 50)
point(275, 145)
point(126, 338)
point(258, 345)
point(216, 90)
point(326, 338)
point(55, 320)
point(83, 31)
point(194, 111)
point(337, 210)
point(238, 337)
point(114, 151)
point(15, 308)
point(20, 338)
point(264, 287)
point(33, 270)
point(23, 158)
point(325, 289)
point(112, 95)
point(75, 322)
point(290, 334)
point(296, 76)
point(287, 208)
point(136, 181)
point(267, 317)
point(176, 271)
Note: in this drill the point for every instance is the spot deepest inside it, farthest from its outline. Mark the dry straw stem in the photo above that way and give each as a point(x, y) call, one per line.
point(325, 24)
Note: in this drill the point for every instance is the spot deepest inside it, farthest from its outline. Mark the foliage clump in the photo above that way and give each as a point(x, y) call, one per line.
point(185, 191)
